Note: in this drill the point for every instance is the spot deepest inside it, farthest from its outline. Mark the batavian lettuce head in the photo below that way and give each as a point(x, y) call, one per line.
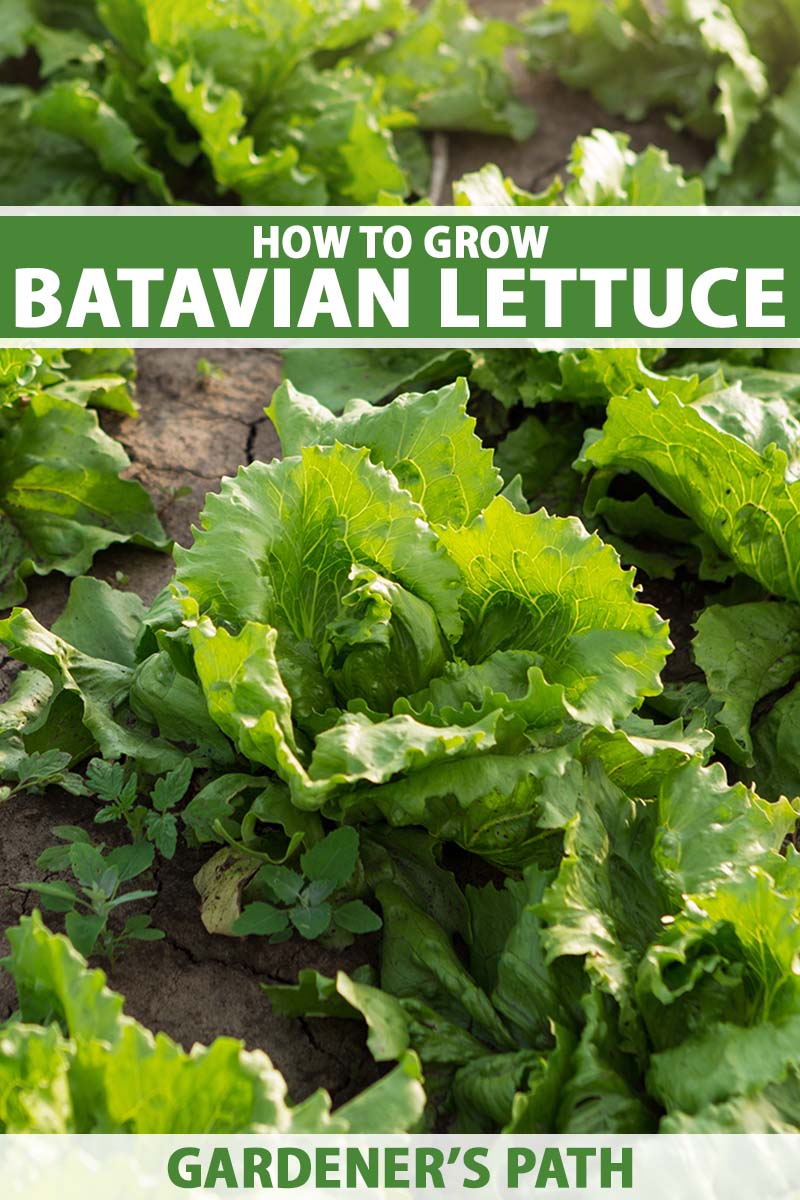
point(369, 619)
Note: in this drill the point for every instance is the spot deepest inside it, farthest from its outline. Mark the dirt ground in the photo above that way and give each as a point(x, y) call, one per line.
point(191, 431)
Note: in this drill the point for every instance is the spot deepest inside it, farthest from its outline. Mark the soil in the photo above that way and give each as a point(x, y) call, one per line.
point(192, 430)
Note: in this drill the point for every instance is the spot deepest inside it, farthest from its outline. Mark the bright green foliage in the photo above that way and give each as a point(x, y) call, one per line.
point(100, 377)
point(61, 495)
point(90, 692)
point(390, 639)
point(299, 102)
point(374, 633)
point(74, 1063)
point(727, 71)
point(736, 493)
point(746, 651)
point(602, 169)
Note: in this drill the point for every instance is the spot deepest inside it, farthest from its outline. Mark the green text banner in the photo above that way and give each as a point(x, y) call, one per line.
point(403, 276)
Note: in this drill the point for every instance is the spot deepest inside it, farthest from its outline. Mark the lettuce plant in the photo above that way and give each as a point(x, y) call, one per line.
point(295, 102)
point(371, 623)
point(643, 983)
point(726, 71)
point(74, 1062)
point(392, 638)
point(62, 497)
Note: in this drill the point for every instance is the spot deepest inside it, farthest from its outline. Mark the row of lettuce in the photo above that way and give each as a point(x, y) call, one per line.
point(376, 631)
point(329, 101)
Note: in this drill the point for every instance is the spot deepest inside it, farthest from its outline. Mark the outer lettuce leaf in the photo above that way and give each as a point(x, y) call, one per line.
point(336, 376)
point(736, 495)
point(603, 1092)
point(73, 110)
point(776, 760)
point(755, 406)
point(774, 1110)
point(507, 808)
point(522, 1073)
point(85, 690)
point(708, 829)
point(448, 68)
point(41, 164)
point(102, 378)
point(539, 453)
point(344, 131)
point(727, 957)
point(77, 1064)
point(727, 1061)
point(605, 905)
point(605, 170)
point(640, 754)
point(216, 113)
point(61, 495)
point(19, 18)
point(746, 651)
point(524, 989)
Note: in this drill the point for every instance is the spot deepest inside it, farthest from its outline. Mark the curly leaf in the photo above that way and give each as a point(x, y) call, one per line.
point(541, 583)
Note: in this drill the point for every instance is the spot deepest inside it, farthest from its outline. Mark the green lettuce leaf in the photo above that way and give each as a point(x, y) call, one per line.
point(334, 377)
point(517, 594)
point(605, 905)
point(776, 763)
point(73, 110)
point(746, 651)
point(427, 441)
point(737, 496)
point(73, 1062)
point(602, 169)
point(61, 495)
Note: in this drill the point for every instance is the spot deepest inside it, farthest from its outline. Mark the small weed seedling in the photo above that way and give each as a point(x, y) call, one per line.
point(99, 878)
point(304, 900)
point(43, 769)
point(119, 794)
